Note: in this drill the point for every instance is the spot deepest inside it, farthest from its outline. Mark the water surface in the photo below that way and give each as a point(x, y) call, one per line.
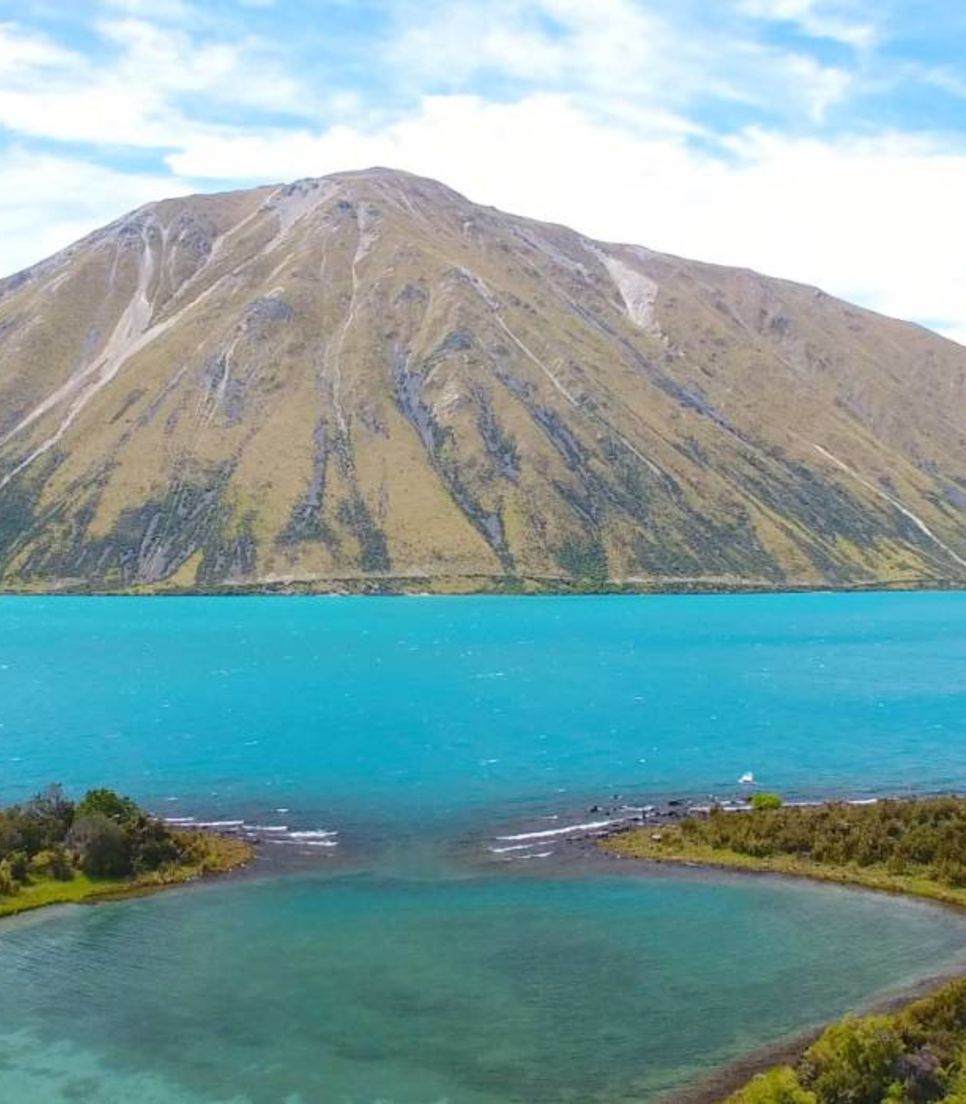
point(420, 729)
point(478, 990)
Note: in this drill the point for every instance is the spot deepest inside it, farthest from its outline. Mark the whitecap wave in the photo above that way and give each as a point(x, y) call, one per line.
point(567, 830)
point(287, 841)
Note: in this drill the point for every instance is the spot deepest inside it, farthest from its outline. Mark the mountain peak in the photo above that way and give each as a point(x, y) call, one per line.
point(377, 177)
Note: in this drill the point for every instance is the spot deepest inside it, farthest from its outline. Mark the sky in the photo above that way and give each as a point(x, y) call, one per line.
point(819, 140)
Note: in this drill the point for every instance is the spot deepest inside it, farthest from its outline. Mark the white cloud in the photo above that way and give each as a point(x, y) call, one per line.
point(176, 10)
point(611, 53)
point(134, 99)
point(938, 77)
point(819, 86)
point(874, 220)
point(817, 19)
point(23, 51)
point(47, 202)
point(539, 41)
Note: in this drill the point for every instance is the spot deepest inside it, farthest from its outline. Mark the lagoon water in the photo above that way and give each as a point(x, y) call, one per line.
point(412, 964)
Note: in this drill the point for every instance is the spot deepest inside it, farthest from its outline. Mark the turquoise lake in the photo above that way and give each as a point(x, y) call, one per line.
point(418, 961)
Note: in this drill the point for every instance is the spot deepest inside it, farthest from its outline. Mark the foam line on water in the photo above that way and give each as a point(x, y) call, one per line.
point(547, 833)
point(289, 842)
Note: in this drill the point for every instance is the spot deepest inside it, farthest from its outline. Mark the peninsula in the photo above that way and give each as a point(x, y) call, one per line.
point(55, 851)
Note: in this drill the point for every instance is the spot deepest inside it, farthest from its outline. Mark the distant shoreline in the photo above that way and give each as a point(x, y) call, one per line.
point(483, 587)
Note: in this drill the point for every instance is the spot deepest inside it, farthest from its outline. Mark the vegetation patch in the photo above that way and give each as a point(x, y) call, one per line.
point(583, 558)
point(903, 846)
point(916, 1056)
point(54, 851)
point(373, 547)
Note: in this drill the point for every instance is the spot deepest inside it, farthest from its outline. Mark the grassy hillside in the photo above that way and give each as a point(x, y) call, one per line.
point(366, 381)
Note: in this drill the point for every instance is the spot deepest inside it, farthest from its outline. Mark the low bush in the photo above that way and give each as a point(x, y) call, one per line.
point(925, 837)
point(766, 801)
point(916, 1056)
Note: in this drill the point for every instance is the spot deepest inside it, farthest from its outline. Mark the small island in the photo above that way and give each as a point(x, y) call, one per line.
point(911, 846)
point(56, 851)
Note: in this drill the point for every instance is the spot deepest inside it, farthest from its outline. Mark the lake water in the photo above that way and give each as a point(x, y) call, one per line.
point(411, 964)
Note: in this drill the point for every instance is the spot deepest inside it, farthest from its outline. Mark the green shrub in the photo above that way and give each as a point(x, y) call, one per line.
point(854, 1061)
point(766, 801)
point(151, 845)
point(53, 864)
point(777, 1086)
point(19, 865)
point(109, 804)
point(102, 846)
point(925, 837)
point(44, 821)
point(8, 883)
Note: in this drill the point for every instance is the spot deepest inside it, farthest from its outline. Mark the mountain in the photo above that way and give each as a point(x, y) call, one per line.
point(365, 381)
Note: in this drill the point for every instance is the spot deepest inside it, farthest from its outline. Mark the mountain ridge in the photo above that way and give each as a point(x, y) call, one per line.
point(365, 381)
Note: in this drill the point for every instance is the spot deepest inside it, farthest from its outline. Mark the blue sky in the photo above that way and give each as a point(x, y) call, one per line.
point(822, 140)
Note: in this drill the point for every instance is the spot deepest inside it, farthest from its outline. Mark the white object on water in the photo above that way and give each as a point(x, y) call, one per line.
point(747, 779)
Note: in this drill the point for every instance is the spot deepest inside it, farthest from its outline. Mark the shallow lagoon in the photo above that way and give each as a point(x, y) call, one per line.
point(483, 990)
point(394, 972)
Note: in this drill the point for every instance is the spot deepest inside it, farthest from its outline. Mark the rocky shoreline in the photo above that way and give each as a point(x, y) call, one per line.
point(579, 831)
point(584, 827)
point(276, 848)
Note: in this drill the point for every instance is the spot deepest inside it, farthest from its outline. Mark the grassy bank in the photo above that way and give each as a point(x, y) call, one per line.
point(210, 855)
point(912, 847)
point(672, 847)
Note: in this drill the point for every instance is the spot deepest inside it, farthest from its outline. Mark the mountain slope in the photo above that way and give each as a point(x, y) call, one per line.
point(368, 380)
